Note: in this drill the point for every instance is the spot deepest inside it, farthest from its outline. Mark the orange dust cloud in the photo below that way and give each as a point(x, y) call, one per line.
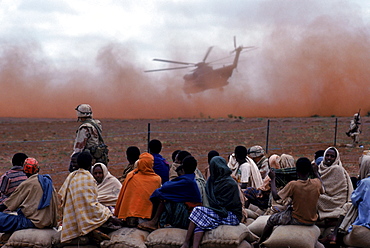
point(318, 66)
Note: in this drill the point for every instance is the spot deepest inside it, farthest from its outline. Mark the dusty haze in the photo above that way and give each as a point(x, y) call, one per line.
point(313, 60)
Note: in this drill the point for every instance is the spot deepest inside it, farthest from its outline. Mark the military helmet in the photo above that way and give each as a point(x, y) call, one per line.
point(256, 151)
point(84, 110)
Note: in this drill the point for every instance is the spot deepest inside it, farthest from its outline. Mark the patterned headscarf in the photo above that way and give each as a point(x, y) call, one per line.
point(31, 166)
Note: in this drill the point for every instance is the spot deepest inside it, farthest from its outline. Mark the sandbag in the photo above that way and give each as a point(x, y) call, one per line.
point(226, 236)
point(32, 237)
point(319, 245)
point(358, 237)
point(4, 237)
point(166, 238)
point(293, 236)
point(245, 244)
point(249, 221)
point(252, 214)
point(126, 238)
point(258, 225)
point(81, 241)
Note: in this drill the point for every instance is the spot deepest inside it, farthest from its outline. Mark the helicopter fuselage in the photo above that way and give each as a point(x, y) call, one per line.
point(207, 78)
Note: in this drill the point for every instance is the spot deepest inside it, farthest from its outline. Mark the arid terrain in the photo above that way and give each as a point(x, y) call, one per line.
point(50, 141)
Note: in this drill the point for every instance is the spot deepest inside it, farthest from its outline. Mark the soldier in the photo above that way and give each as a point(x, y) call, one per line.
point(258, 155)
point(355, 129)
point(88, 135)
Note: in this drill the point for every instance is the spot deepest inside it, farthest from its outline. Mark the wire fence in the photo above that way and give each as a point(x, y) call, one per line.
point(296, 136)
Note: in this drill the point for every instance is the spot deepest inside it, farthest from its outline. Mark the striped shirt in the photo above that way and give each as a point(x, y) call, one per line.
point(10, 181)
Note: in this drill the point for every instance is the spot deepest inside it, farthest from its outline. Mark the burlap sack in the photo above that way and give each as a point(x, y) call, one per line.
point(126, 238)
point(33, 237)
point(226, 236)
point(252, 214)
point(293, 236)
point(249, 221)
point(319, 245)
point(76, 242)
point(258, 225)
point(4, 237)
point(252, 207)
point(166, 238)
point(358, 237)
point(245, 244)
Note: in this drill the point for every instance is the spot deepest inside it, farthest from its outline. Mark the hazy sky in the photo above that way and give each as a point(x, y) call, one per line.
point(62, 42)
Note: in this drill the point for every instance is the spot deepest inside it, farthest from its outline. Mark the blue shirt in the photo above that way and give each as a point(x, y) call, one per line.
point(161, 167)
point(361, 198)
point(181, 189)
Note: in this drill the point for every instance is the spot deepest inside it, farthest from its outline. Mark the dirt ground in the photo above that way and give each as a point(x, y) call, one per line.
point(50, 141)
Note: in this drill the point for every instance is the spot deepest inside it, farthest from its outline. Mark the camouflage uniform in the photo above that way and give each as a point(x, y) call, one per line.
point(86, 136)
point(262, 164)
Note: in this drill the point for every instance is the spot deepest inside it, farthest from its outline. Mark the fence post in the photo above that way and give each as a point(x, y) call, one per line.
point(335, 132)
point(267, 136)
point(148, 135)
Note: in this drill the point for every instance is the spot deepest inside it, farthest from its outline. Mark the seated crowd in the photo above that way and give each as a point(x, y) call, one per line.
point(153, 194)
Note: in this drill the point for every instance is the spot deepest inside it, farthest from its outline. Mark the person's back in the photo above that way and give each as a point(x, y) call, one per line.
point(249, 173)
point(305, 193)
point(257, 154)
point(175, 199)
point(89, 135)
point(41, 218)
point(133, 202)
point(161, 167)
point(132, 155)
point(12, 178)
point(35, 201)
point(82, 213)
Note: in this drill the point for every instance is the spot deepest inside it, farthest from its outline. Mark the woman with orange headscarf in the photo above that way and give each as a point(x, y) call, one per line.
point(133, 204)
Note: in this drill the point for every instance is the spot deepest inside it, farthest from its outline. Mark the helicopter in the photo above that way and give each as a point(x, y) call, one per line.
point(204, 76)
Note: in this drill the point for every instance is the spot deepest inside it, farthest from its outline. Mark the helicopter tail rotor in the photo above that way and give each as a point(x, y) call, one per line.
point(240, 48)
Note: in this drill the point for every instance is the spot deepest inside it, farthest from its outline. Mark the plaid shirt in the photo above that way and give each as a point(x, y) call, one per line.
point(82, 213)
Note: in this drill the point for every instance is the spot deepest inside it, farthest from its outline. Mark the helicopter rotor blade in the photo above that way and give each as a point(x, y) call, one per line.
point(168, 69)
point(207, 53)
point(172, 61)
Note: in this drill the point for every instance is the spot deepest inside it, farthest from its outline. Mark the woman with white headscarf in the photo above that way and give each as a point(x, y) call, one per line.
point(337, 185)
point(108, 185)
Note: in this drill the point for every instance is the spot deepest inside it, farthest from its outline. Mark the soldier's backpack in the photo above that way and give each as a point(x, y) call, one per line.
point(99, 152)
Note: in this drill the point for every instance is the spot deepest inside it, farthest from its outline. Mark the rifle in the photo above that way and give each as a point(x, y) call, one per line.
point(357, 120)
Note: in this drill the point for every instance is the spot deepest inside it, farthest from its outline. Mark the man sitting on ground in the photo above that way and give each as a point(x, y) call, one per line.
point(35, 201)
point(173, 202)
point(161, 167)
point(82, 212)
point(244, 170)
point(132, 155)
point(13, 177)
point(305, 193)
point(257, 154)
point(133, 204)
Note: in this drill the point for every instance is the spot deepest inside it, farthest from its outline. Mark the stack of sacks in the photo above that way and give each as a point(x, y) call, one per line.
point(224, 236)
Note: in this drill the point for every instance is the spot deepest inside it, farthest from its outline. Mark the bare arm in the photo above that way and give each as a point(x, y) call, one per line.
point(315, 169)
